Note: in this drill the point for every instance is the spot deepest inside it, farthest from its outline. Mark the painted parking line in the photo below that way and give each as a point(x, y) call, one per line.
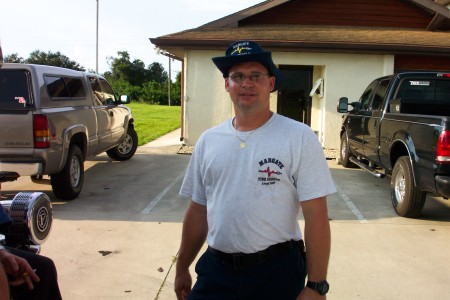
point(158, 198)
point(351, 205)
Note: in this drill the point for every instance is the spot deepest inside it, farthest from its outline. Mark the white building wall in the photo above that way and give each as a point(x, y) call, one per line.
point(206, 101)
point(345, 75)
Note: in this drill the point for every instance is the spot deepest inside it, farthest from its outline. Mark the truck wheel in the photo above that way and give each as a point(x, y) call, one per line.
point(344, 154)
point(67, 184)
point(126, 149)
point(407, 199)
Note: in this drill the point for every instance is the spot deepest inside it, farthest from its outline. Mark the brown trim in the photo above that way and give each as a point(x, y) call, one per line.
point(421, 63)
point(233, 19)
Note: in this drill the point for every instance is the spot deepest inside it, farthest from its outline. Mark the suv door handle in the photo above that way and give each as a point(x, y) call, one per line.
point(111, 113)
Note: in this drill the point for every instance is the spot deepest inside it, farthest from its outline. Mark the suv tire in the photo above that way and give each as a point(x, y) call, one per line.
point(127, 147)
point(67, 184)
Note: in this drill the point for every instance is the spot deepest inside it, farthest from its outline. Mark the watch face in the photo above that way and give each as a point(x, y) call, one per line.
point(323, 287)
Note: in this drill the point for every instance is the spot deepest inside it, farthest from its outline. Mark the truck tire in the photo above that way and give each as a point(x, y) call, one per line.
point(126, 149)
point(344, 154)
point(407, 199)
point(67, 184)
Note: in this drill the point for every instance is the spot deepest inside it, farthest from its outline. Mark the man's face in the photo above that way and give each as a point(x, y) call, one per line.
point(249, 85)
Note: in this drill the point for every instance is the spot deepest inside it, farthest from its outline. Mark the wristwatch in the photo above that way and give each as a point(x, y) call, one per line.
point(321, 287)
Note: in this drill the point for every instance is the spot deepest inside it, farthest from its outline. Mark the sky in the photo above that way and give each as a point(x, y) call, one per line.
point(70, 26)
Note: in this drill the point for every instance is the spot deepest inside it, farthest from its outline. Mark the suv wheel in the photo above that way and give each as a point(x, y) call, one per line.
point(67, 184)
point(126, 149)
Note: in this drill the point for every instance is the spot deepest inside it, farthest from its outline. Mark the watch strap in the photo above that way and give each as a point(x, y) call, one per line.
point(321, 287)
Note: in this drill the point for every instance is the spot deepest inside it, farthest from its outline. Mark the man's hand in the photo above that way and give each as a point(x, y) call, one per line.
point(18, 269)
point(183, 283)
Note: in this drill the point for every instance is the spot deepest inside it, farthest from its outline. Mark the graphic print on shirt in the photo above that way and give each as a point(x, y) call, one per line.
point(269, 171)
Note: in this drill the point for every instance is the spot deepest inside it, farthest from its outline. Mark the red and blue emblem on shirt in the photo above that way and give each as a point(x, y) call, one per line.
point(270, 171)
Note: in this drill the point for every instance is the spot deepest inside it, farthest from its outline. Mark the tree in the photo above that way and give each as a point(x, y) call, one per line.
point(53, 59)
point(149, 85)
point(123, 69)
point(155, 72)
point(14, 58)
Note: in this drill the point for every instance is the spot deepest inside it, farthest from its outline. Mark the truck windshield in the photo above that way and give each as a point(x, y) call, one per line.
point(14, 90)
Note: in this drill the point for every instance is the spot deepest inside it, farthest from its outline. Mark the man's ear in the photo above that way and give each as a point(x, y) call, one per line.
point(227, 84)
point(272, 83)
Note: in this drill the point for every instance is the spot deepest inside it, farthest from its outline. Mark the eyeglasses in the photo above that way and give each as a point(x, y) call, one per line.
point(240, 78)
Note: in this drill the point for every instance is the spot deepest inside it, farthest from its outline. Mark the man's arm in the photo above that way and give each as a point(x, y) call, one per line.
point(195, 229)
point(318, 242)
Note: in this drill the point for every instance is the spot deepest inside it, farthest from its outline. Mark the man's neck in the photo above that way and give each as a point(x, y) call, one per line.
point(247, 122)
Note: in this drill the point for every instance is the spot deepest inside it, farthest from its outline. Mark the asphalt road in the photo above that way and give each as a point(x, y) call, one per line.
point(119, 239)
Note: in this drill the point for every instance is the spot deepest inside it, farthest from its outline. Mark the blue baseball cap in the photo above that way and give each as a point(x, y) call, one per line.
point(247, 51)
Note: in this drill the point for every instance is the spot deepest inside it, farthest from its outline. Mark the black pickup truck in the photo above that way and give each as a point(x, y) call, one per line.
point(400, 127)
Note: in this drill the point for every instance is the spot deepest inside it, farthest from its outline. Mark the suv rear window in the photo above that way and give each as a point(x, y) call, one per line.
point(64, 87)
point(14, 89)
point(425, 89)
point(425, 96)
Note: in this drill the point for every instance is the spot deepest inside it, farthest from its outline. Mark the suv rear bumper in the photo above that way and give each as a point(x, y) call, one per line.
point(443, 185)
point(23, 169)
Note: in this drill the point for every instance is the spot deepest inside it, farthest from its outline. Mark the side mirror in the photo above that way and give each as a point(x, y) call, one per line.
point(125, 99)
point(342, 106)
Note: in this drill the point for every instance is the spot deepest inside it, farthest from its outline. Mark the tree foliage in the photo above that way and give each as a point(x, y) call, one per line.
point(46, 58)
point(14, 58)
point(142, 84)
point(155, 72)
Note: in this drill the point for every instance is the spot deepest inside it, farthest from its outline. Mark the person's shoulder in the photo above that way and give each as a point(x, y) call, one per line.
point(216, 129)
point(291, 124)
point(214, 132)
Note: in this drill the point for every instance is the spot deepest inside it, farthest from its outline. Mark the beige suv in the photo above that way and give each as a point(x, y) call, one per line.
point(53, 119)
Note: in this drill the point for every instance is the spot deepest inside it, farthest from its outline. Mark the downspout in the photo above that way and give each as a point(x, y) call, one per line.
point(1, 55)
point(183, 103)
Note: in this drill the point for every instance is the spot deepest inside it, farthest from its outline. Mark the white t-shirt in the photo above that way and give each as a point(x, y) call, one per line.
point(253, 194)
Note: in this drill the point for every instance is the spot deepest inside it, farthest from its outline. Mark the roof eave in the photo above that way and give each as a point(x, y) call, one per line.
point(214, 44)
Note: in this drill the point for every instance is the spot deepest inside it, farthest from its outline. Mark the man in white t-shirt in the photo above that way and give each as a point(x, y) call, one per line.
point(248, 178)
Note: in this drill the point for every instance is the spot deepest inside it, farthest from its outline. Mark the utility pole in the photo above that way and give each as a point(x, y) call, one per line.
point(170, 56)
point(96, 44)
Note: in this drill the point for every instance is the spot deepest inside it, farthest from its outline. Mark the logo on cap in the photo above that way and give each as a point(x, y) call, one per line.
point(240, 49)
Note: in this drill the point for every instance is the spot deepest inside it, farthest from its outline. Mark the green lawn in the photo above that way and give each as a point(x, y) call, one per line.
point(153, 121)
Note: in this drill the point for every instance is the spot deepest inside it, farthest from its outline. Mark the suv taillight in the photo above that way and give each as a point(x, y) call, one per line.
point(443, 147)
point(41, 132)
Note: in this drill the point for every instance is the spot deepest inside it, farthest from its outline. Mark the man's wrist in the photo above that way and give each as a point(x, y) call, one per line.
point(321, 287)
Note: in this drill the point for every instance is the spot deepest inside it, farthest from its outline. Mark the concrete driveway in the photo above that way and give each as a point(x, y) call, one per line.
point(119, 239)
